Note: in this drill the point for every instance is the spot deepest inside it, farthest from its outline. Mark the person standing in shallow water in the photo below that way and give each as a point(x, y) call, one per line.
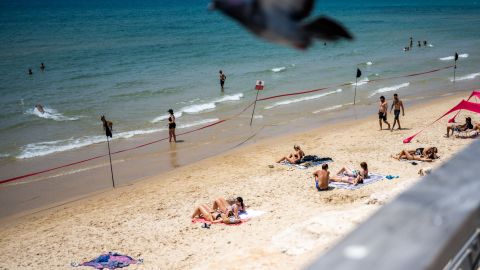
point(30, 72)
point(171, 127)
point(222, 78)
point(42, 66)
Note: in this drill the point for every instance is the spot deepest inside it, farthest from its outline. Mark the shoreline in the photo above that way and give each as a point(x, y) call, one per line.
point(70, 183)
point(150, 219)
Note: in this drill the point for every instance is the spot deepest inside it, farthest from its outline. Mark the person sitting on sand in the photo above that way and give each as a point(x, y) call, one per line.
point(353, 177)
point(204, 211)
point(294, 158)
point(468, 125)
point(236, 206)
point(421, 154)
point(321, 178)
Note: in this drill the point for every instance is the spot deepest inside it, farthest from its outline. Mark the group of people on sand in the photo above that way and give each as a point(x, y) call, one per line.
point(221, 211)
point(465, 127)
point(344, 175)
point(397, 107)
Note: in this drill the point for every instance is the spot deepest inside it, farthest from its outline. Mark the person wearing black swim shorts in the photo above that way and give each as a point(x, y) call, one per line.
point(396, 106)
point(171, 127)
point(222, 78)
point(382, 112)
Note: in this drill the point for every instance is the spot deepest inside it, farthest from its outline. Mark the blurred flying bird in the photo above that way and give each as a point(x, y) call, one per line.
point(282, 21)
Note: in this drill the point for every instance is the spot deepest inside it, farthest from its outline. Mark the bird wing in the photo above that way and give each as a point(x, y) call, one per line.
point(296, 9)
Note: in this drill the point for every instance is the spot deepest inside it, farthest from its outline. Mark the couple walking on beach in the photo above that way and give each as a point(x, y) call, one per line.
point(397, 105)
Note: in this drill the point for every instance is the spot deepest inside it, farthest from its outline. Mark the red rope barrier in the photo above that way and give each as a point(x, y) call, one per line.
point(210, 125)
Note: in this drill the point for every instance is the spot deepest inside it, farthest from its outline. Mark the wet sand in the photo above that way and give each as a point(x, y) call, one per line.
point(150, 219)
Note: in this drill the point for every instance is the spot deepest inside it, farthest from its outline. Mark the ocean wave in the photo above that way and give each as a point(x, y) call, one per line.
point(290, 101)
point(464, 55)
point(369, 63)
point(278, 69)
point(198, 108)
point(389, 88)
point(50, 147)
point(50, 113)
point(466, 77)
point(361, 82)
point(148, 93)
point(4, 156)
point(331, 108)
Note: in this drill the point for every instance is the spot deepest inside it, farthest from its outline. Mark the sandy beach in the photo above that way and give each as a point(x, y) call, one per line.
point(151, 219)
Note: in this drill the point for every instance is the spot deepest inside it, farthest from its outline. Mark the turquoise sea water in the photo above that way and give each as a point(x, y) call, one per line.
point(133, 61)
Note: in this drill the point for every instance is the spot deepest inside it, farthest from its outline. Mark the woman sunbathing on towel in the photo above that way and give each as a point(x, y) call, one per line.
point(421, 154)
point(236, 206)
point(295, 157)
point(354, 177)
point(204, 211)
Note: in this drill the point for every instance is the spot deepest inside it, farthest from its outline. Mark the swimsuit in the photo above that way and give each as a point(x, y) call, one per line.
point(397, 114)
point(171, 125)
point(419, 151)
point(318, 187)
point(382, 116)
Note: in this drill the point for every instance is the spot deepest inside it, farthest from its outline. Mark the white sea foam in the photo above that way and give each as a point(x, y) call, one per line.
point(390, 88)
point(290, 101)
point(50, 113)
point(361, 82)
point(50, 147)
point(4, 155)
point(199, 108)
point(466, 77)
point(331, 108)
point(430, 45)
point(257, 116)
point(464, 55)
point(369, 63)
point(278, 69)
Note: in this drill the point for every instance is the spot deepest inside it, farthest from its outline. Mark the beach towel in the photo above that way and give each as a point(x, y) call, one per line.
point(308, 161)
point(110, 260)
point(372, 178)
point(244, 217)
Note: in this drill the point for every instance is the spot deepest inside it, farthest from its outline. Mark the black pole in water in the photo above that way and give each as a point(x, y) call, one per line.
point(111, 167)
point(254, 105)
point(355, 96)
point(455, 66)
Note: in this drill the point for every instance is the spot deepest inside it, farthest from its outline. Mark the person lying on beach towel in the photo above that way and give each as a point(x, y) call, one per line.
point(421, 154)
point(236, 206)
point(468, 125)
point(110, 260)
point(295, 157)
point(354, 177)
point(204, 211)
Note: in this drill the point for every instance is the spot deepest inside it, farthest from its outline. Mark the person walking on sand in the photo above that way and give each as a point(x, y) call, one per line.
point(171, 127)
point(321, 178)
point(397, 104)
point(382, 112)
point(222, 78)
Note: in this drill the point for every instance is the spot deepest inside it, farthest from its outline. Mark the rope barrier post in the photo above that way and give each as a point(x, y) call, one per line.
point(258, 86)
point(359, 73)
point(107, 127)
point(111, 167)
point(455, 67)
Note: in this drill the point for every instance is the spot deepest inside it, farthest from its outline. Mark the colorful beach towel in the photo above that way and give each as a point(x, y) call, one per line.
point(244, 217)
point(110, 260)
point(372, 178)
point(308, 161)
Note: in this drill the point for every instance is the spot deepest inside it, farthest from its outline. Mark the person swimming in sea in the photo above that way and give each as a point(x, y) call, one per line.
point(42, 66)
point(30, 72)
point(40, 108)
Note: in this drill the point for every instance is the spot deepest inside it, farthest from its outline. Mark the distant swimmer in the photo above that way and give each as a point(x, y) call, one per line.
point(222, 78)
point(30, 71)
point(411, 42)
point(425, 43)
point(40, 108)
point(42, 66)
